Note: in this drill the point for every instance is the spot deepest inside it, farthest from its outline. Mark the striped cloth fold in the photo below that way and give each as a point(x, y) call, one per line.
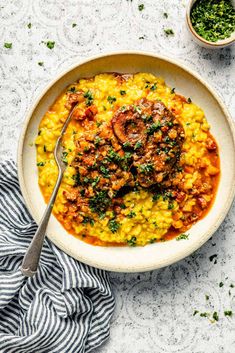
point(66, 307)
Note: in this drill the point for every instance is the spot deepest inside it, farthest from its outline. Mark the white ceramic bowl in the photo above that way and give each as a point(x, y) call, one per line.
point(200, 40)
point(187, 83)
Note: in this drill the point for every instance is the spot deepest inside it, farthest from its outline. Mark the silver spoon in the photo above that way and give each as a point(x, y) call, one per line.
point(31, 259)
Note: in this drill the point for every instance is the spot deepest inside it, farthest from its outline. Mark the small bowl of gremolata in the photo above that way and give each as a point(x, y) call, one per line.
point(211, 22)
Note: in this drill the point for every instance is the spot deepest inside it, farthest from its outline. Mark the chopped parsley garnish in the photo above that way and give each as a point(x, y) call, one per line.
point(8, 45)
point(40, 63)
point(153, 87)
point(154, 127)
point(50, 44)
point(29, 25)
point(151, 241)
point(114, 225)
point(97, 141)
point(74, 25)
point(132, 214)
point(64, 157)
point(122, 93)
point(132, 241)
point(138, 145)
point(111, 99)
point(99, 202)
point(141, 7)
point(156, 197)
point(170, 206)
point(213, 19)
point(189, 100)
point(146, 168)
point(40, 164)
point(228, 313)
point(165, 15)
point(76, 178)
point(169, 32)
point(95, 181)
point(195, 312)
point(221, 284)
point(89, 98)
point(182, 236)
point(104, 171)
point(44, 148)
point(82, 192)
point(215, 316)
point(72, 89)
point(114, 156)
point(173, 90)
point(207, 297)
point(126, 144)
point(87, 220)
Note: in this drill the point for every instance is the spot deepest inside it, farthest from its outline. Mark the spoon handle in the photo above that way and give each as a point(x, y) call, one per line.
point(32, 255)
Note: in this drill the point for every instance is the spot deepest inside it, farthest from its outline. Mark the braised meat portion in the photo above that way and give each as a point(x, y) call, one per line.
point(139, 147)
point(153, 135)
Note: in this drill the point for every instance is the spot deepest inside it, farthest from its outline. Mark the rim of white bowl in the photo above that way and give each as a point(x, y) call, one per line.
point(219, 44)
point(118, 268)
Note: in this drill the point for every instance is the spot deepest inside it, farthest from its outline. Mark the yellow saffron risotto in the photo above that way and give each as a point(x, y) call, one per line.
point(142, 215)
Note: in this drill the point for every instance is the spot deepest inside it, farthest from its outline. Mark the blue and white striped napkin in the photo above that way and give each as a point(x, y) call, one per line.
point(65, 308)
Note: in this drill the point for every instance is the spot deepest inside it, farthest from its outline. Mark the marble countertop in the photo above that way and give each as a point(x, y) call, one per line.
point(154, 310)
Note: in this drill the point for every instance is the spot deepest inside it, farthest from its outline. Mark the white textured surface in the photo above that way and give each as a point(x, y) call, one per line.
point(154, 310)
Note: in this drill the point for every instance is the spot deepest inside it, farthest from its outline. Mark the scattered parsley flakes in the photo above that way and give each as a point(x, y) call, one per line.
point(189, 100)
point(74, 25)
point(221, 284)
point(122, 93)
point(64, 157)
point(138, 145)
point(29, 25)
point(182, 236)
point(40, 63)
point(173, 90)
point(228, 313)
point(141, 7)
point(195, 312)
point(146, 168)
point(132, 214)
point(207, 297)
point(169, 32)
point(132, 241)
point(111, 99)
point(49, 44)
point(40, 164)
point(8, 45)
point(153, 87)
point(165, 15)
point(215, 316)
point(204, 314)
point(89, 98)
point(114, 225)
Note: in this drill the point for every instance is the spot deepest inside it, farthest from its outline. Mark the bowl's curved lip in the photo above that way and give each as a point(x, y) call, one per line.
point(219, 44)
point(185, 252)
